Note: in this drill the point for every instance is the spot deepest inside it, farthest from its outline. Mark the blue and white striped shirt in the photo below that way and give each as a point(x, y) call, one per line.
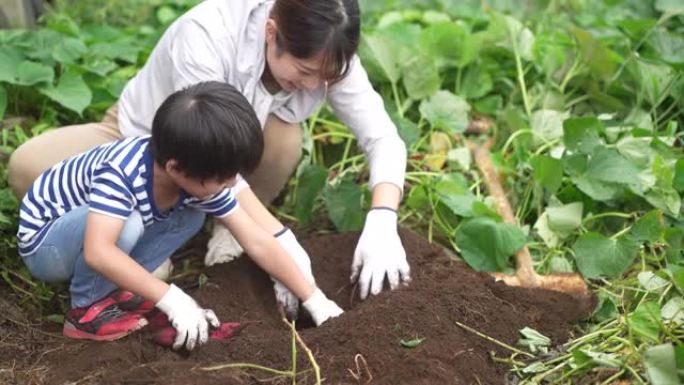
point(113, 179)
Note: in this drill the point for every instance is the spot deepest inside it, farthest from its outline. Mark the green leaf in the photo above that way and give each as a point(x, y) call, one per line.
point(69, 50)
point(668, 46)
point(565, 219)
point(408, 130)
point(10, 59)
point(449, 43)
point(71, 92)
point(410, 344)
point(599, 59)
point(645, 321)
point(661, 365)
point(649, 227)
point(533, 340)
point(547, 125)
point(677, 274)
point(678, 180)
point(3, 102)
point(166, 14)
point(477, 82)
point(487, 245)
point(461, 205)
point(30, 73)
point(417, 198)
point(511, 34)
point(309, 185)
point(652, 282)
point(606, 309)
point(673, 311)
point(446, 111)
point(548, 172)
point(343, 203)
point(421, 78)
point(597, 256)
point(654, 79)
point(460, 158)
point(670, 6)
point(607, 165)
point(385, 52)
point(584, 357)
point(582, 134)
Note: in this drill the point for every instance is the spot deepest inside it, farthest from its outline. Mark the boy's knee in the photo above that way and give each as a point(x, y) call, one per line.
point(194, 220)
point(132, 232)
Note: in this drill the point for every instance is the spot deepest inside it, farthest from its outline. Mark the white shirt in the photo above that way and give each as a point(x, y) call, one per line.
point(224, 40)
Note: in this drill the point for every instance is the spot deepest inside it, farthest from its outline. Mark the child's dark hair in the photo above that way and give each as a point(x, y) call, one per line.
point(210, 129)
point(307, 28)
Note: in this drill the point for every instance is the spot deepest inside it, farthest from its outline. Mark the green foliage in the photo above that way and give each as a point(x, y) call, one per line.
point(586, 100)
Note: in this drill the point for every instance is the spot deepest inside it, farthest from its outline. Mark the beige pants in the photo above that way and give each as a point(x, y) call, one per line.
point(282, 151)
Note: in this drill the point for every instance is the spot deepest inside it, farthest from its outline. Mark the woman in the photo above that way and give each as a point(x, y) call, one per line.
point(286, 57)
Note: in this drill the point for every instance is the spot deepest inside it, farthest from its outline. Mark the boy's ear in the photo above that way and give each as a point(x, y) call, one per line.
point(171, 167)
point(271, 30)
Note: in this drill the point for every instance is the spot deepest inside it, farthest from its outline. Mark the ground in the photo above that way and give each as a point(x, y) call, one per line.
point(361, 346)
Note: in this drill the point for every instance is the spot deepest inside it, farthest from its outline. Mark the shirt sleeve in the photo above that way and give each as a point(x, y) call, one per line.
point(220, 205)
point(194, 56)
point(356, 103)
point(301, 105)
point(110, 193)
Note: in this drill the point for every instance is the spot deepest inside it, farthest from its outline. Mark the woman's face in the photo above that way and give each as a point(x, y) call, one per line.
point(290, 72)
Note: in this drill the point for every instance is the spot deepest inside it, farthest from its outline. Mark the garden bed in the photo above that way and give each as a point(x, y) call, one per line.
point(364, 345)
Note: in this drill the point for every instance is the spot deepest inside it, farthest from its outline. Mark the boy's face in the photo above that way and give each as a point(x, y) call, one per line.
point(203, 189)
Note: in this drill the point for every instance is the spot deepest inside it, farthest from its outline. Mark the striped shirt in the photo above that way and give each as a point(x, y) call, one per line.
point(113, 179)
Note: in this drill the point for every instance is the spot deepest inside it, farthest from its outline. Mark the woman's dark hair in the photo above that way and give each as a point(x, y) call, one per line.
point(210, 129)
point(307, 28)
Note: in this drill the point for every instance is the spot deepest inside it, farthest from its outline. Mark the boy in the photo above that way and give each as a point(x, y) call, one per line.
point(108, 217)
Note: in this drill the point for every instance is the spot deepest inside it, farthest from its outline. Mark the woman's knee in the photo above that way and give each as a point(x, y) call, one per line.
point(23, 169)
point(131, 233)
point(282, 141)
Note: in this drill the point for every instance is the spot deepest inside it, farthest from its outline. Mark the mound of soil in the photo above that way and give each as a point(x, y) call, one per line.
point(361, 346)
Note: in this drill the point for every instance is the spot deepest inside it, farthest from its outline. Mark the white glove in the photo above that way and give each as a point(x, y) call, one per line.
point(379, 253)
point(222, 246)
point(190, 321)
point(283, 295)
point(321, 308)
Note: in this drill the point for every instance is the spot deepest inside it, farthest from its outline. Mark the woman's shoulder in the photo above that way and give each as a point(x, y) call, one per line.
point(222, 15)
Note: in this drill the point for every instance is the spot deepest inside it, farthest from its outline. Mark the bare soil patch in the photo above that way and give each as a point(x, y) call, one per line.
point(443, 292)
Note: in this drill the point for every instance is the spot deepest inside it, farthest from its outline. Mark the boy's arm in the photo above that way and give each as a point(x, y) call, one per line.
point(267, 252)
point(102, 255)
point(270, 255)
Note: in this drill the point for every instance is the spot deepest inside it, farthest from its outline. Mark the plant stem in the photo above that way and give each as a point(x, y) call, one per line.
point(493, 340)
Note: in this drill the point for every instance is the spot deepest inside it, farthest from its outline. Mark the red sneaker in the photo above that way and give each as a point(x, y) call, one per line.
point(130, 302)
point(101, 321)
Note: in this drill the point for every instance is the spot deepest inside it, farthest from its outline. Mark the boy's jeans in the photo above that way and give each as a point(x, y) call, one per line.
point(60, 256)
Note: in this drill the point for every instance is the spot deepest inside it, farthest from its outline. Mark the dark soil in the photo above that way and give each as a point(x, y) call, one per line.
point(361, 346)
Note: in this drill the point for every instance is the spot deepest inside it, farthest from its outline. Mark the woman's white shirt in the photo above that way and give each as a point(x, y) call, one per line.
point(224, 40)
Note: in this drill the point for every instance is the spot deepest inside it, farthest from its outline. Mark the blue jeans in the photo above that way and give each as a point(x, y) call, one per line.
point(60, 256)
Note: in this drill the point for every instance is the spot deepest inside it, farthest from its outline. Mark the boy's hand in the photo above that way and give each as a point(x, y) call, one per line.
point(190, 321)
point(379, 253)
point(284, 296)
point(321, 308)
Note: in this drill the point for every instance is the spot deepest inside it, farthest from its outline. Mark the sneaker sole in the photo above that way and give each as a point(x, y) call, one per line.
point(71, 331)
